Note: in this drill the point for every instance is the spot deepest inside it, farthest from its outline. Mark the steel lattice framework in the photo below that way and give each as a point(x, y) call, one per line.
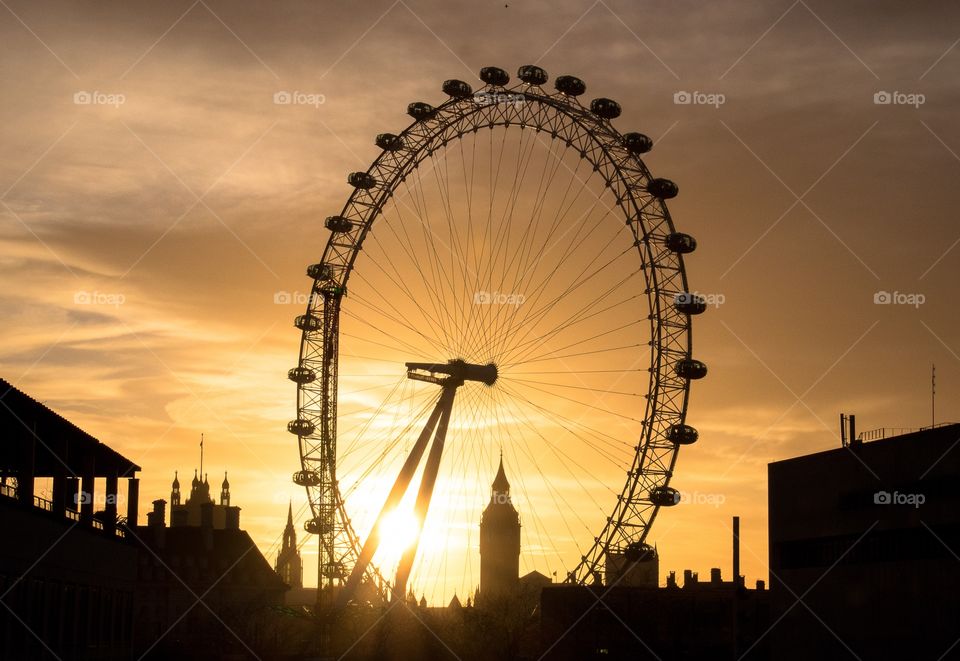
point(567, 124)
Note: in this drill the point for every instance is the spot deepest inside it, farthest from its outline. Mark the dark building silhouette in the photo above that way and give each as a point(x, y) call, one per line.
point(78, 580)
point(867, 536)
point(715, 620)
point(499, 542)
point(289, 563)
point(179, 565)
point(67, 569)
point(709, 620)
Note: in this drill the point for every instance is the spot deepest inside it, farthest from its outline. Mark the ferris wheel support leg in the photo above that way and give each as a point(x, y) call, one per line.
point(393, 499)
point(425, 493)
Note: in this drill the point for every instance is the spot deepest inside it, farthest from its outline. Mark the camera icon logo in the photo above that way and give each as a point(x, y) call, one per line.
point(82, 298)
point(682, 98)
point(482, 298)
point(882, 298)
point(82, 98)
point(882, 498)
point(282, 98)
point(882, 98)
point(282, 298)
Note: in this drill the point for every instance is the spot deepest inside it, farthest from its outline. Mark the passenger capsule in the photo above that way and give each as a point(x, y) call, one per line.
point(308, 323)
point(637, 143)
point(306, 478)
point(664, 496)
point(606, 108)
point(312, 526)
point(662, 188)
point(680, 242)
point(421, 111)
point(640, 552)
point(457, 89)
point(361, 180)
point(302, 375)
point(531, 74)
point(338, 224)
point(389, 142)
point(318, 271)
point(494, 76)
point(570, 85)
point(688, 368)
point(682, 434)
point(689, 303)
point(300, 427)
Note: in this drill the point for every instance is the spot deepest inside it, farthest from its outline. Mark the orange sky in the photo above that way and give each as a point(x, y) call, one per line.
point(185, 199)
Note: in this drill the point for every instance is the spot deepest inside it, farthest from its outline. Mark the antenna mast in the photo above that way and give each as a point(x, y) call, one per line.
point(933, 395)
point(201, 455)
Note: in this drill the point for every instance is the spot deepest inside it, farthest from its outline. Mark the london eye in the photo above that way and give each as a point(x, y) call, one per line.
point(504, 279)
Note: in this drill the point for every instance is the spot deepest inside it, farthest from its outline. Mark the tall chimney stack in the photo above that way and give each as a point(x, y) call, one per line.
point(736, 550)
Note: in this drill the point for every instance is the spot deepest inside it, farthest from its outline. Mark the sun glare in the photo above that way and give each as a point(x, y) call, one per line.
point(398, 532)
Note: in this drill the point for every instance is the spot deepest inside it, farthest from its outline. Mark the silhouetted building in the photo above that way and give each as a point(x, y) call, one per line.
point(709, 620)
point(67, 571)
point(863, 549)
point(715, 620)
point(289, 563)
point(203, 591)
point(499, 542)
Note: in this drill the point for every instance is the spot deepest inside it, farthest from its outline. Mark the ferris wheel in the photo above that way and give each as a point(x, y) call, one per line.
point(504, 279)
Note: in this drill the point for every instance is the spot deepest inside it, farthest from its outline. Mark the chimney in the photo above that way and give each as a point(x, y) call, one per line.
point(736, 550)
point(157, 517)
point(761, 585)
point(715, 576)
point(232, 518)
point(853, 430)
point(689, 578)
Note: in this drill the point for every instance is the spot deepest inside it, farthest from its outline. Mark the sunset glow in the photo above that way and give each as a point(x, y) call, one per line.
point(154, 254)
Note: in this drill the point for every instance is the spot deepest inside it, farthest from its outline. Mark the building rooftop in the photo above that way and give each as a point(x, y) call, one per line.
point(60, 443)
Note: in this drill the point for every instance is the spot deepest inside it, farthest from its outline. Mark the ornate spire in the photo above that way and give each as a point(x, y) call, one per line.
point(225, 491)
point(500, 482)
point(175, 490)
